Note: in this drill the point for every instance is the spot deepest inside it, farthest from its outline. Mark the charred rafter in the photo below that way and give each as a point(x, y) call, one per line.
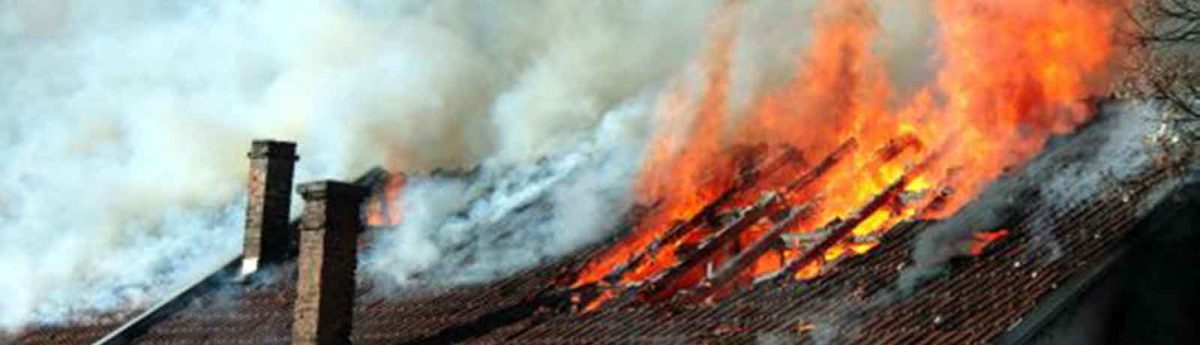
point(706, 214)
point(587, 294)
point(661, 286)
point(897, 145)
point(842, 230)
point(730, 268)
point(832, 159)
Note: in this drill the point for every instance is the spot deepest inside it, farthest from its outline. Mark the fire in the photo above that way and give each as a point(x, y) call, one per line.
point(687, 159)
point(981, 240)
point(1009, 75)
point(809, 271)
point(384, 207)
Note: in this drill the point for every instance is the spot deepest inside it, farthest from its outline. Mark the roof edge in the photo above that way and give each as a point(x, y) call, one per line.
point(137, 326)
point(142, 323)
point(1059, 301)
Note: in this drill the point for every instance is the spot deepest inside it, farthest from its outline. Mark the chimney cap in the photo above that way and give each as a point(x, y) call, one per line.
point(270, 148)
point(331, 189)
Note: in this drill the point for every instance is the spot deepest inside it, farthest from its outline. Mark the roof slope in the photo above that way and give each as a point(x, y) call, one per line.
point(996, 294)
point(981, 299)
point(853, 302)
point(78, 333)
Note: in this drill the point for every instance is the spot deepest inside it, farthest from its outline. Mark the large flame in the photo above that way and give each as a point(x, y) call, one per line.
point(385, 208)
point(1009, 74)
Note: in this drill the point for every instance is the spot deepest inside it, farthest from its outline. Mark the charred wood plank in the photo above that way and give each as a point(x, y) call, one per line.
point(660, 287)
point(843, 229)
point(709, 212)
point(830, 160)
point(798, 240)
point(897, 145)
point(730, 268)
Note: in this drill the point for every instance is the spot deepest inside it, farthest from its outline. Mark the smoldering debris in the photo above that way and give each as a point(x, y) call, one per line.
point(1122, 142)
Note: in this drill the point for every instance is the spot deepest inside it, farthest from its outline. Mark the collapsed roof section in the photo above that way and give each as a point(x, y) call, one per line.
point(1004, 294)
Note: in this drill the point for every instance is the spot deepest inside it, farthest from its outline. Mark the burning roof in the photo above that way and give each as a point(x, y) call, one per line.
point(997, 294)
point(789, 217)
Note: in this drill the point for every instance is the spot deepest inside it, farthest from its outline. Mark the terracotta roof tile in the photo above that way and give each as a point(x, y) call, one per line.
point(854, 301)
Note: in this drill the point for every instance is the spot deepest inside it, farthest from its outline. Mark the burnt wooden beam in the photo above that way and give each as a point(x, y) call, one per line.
point(896, 146)
point(705, 214)
point(730, 268)
point(678, 231)
point(830, 160)
point(661, 287)
point(843, 229)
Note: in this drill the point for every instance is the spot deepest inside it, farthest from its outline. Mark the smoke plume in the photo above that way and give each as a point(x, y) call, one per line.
point(1119, 146)
point(123, 124)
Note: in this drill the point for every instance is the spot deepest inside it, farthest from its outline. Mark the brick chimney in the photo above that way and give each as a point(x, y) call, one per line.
point(267, 237)
point(325, 284)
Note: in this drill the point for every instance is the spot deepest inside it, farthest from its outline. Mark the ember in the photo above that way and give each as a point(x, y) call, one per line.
point(384, 208)
point(983, 239)
point(720, 214)
point(1010, 79)
point(557, 178)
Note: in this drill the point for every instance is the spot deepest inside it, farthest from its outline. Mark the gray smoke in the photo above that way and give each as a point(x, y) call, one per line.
point(607, 75)
point(1113, 150)
point(503, 217)
point(124, 123)
point(508, 217)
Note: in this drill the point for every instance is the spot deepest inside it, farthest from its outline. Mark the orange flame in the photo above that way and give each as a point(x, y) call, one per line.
point(384, 207)
point(1010, 74)
point(689, 161)
point(981, 240)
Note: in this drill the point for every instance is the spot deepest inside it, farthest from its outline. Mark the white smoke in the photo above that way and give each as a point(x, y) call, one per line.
point(504, 217)
point(599, 80)
point(123, 124)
